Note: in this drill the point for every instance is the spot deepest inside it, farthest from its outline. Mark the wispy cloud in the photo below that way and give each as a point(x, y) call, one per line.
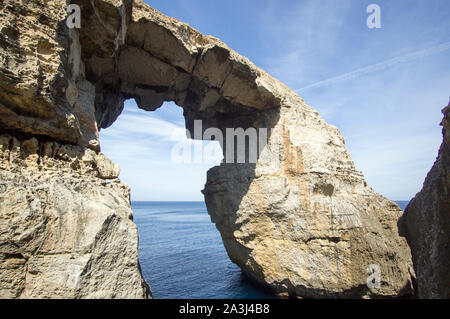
point(382, 88)
point(143, 142)
point(139, 125)
point(299, 34)
point(378, 66)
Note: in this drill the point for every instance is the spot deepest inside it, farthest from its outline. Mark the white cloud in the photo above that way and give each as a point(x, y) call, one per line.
point(145, 125)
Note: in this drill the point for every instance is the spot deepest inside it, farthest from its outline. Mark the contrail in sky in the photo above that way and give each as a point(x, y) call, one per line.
point(378, 66)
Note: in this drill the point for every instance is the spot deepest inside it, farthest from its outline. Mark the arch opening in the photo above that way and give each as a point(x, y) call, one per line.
point(153, 61)
point(180, 252)
point(157, 159)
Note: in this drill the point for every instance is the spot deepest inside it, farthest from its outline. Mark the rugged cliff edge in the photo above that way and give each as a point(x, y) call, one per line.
point(426, 224)
point(301, 220)
point(65, 230)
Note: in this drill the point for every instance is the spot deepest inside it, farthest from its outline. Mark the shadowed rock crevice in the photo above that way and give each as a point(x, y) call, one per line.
point(426, 225)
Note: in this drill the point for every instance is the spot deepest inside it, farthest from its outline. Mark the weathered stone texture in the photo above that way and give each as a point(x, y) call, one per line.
point(64, 232)
point(36, 70)
point(303, 220)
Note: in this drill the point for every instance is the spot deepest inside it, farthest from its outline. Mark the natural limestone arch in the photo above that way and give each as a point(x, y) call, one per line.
point(302, 220)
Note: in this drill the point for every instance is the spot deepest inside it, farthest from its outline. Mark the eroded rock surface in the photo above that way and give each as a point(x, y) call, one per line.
point(38, 70)
point(64, 232)
point(426, 224)
point(301, 220)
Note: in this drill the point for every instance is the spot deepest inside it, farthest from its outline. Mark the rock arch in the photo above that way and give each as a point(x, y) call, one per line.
point(301, 220)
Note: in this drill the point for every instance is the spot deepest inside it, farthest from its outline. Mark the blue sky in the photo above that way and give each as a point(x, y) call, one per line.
point(383, 88)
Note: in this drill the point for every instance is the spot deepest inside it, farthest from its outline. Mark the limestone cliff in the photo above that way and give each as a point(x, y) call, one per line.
point(426, 224)
point(300, 220)
point(303, 220)
point(65, 230)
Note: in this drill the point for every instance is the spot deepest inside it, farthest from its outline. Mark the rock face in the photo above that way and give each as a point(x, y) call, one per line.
point(426, 224)
point(38, 69)
point(64, 232)
point(301, 220)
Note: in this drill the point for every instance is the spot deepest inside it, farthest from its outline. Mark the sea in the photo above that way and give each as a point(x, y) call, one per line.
point(182, 255)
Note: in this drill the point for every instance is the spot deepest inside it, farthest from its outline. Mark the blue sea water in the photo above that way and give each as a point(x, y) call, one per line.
point(182, 255)
point(402, 204)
